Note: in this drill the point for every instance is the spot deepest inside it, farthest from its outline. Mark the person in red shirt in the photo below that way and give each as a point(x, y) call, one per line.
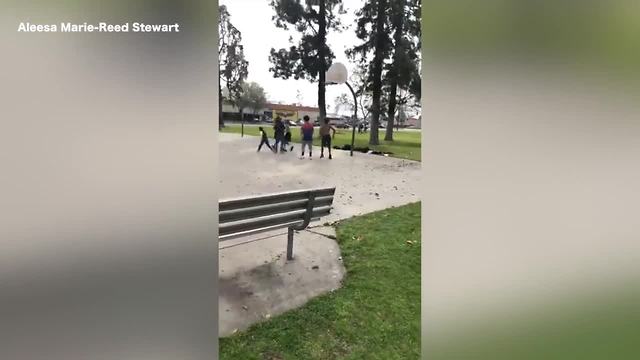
point(306, 133)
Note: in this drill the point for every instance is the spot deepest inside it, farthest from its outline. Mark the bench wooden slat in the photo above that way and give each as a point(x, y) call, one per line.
point(259, 230)
point(240, 203)
point(271, 209)
point(292, 217)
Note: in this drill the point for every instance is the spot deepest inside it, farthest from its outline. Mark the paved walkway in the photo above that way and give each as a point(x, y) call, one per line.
point(364, 183)
point(256, 281)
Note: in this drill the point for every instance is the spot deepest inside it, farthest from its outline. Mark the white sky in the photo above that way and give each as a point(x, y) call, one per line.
point(259, 35)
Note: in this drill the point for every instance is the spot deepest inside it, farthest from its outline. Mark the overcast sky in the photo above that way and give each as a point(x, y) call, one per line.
point(259, 35)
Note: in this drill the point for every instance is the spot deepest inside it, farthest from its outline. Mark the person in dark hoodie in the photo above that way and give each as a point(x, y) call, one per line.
point(278, 134)
point(264, 140)
point(287, 137)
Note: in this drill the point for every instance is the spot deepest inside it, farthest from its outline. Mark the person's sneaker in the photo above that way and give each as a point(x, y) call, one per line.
point(321, 156)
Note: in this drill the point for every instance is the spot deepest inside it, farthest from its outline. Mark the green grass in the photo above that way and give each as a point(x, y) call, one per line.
point(406, 144)
point(590, 328)
point(375, 315)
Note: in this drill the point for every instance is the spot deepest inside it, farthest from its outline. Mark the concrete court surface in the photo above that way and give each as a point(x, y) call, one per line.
point(364, 183)
point(256, 281)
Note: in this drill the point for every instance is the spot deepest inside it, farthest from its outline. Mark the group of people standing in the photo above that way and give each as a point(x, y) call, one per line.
point(282, 136)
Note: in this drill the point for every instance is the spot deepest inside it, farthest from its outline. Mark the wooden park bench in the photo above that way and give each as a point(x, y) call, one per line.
point(253, 214)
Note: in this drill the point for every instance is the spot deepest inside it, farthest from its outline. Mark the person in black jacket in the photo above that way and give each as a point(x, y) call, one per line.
point(287, 138)
point(278, 134)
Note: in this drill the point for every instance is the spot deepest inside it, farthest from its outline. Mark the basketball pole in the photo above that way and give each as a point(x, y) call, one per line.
point(355, 117)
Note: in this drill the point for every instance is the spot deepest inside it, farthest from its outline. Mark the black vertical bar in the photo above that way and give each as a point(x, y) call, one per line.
point(355, 117)
point(290, 244)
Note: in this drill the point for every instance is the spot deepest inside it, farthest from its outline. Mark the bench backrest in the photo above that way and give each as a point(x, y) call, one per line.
point(244, 216)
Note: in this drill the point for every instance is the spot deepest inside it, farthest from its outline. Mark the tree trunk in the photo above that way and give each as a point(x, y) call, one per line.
point(391, 111)
point(322, 36)
point(377, 73)
point(397, 39)
point(241, 122)
point(220, 118)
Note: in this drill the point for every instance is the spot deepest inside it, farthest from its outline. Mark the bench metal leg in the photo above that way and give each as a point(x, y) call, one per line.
point(290, 244)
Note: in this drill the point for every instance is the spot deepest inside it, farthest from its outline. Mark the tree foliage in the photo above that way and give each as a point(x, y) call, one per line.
point(252, 96)
point(343, 101)
point(402, 72)
point(359, 80)
point(389, 55)
point(310, 57)
point(233, 67)
point(372, 29)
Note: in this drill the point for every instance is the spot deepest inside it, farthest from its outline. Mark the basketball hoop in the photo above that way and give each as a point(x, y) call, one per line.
point(337, 74)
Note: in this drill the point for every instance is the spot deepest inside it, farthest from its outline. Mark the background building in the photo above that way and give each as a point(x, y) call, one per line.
point(414, 122)
point(292, 112)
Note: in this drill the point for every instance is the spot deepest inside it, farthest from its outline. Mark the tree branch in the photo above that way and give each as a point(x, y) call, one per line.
point(311, 26)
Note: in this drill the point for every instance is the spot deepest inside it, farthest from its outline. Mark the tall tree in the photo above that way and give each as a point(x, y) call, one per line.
point(372, 29)
point(359, 79)
point(232, 66)
point(401, 73)
point(311, 57)
point(402, 116)
point(343, 102)
point(257, 98)
point(252, 97)
point(299, 97)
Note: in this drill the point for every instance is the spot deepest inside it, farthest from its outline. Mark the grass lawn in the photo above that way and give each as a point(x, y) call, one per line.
point(375, 315)
point(406, 144)
point(589, 328)
point(607, 329)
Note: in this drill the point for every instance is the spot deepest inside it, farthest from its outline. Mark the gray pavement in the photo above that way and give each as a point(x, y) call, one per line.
point(256, 281)
point(364, 183)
